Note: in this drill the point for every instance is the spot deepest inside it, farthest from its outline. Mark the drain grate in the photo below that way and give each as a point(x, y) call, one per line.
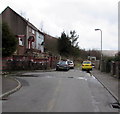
point(116, 105)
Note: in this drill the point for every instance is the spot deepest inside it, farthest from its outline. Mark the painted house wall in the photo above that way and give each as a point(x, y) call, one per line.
point(18, 26)
point(16, 23)
point(24, 29)
point(31, 32)
point(40, 41)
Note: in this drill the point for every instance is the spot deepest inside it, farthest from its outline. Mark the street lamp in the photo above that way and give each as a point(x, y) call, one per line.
point(101, 42)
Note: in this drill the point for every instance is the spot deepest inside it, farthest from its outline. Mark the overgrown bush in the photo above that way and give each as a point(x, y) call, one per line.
point(9, 42)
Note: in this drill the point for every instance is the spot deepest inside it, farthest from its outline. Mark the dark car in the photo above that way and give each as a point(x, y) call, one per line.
point(62, 65)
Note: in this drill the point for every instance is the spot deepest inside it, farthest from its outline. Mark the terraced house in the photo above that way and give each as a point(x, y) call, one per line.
point(29, 37)
point(34, 47)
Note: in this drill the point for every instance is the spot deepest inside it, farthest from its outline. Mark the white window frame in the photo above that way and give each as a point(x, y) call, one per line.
point(20, 42)
point(33, 31)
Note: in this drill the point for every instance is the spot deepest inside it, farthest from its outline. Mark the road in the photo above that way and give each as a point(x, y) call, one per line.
point(59, 91)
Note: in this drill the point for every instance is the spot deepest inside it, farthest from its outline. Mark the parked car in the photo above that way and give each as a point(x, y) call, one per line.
point(87, 65)
point(62, 65)
point(71, 64)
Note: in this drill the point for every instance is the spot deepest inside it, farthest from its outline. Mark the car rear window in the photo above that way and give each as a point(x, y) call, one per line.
point(87, 62)
point(63, 62)
point(70, 62)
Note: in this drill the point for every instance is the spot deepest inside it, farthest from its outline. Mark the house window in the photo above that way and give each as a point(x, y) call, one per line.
point(33, 31)
point(30, 29)
point(41, 36)
point(20, 41)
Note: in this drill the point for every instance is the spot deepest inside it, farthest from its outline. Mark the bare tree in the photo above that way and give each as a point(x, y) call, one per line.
point(41, 26)
point(23, 14)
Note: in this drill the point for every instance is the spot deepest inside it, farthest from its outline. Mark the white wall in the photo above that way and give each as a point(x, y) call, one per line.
point(39, 40)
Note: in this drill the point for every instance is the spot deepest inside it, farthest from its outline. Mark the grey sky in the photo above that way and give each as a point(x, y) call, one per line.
point(56, 16)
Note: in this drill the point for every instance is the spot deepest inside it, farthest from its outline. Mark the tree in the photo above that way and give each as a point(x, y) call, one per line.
point(64, 45)
point(74, 37)
point(9, 42)
point(42, 26)
point(68, 45)
point(95, 53)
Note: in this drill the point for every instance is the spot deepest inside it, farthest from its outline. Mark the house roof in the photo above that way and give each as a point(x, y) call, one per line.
point(50, 36)
point(27, 22)
point(41, 32)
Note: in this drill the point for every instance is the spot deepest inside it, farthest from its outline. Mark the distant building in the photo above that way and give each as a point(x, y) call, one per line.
point(109, 52)
point(92, 59)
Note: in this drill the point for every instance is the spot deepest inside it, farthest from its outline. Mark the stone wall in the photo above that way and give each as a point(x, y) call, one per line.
point(109, 67)
point(97, 64)
point(115, 69)
point(28, 63)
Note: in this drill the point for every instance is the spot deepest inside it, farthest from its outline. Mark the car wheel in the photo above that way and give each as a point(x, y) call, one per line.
point(57, 69)
point(82, 69)
point(67, 69)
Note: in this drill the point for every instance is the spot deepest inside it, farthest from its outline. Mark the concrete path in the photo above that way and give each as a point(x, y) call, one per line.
point(9, 86)
point(111, 83)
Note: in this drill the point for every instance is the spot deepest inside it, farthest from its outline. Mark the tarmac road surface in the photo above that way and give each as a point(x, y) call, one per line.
point(59, 91)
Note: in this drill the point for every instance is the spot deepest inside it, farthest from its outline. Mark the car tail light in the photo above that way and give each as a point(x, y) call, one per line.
point(82, 65)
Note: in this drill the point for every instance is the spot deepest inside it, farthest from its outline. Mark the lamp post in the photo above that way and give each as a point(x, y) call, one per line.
point(101, 42)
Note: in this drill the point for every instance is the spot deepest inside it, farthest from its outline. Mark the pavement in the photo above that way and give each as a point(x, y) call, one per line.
point(11, 84)
point(110, 82)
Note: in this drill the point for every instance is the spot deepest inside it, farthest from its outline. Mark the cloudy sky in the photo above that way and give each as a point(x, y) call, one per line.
point(83, 16)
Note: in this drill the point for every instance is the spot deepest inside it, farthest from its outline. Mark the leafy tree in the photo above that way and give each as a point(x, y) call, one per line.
point(68, 45)
point(75, 52)
point(74, 37)
point(64, 45)
point(83, 54)
point(9, 42)
point(0, 38)
point(117, 57)
point(95, 53)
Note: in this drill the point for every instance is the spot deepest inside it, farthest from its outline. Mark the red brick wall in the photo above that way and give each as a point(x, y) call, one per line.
point(20, 50)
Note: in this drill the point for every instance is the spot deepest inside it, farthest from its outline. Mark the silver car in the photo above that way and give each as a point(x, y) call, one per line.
point(71, 64)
